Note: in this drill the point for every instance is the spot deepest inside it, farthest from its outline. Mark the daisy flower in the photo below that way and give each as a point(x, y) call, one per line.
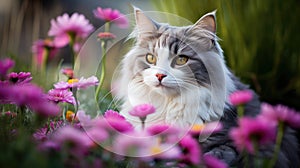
point(110, 15)
point(67, 28)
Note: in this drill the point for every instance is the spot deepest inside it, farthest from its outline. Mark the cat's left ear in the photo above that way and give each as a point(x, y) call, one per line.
point(207, 22)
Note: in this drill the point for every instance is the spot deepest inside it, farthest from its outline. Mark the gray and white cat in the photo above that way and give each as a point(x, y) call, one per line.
point(181, 71)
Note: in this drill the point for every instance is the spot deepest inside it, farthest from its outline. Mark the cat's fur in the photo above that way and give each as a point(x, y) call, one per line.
point(193, 93)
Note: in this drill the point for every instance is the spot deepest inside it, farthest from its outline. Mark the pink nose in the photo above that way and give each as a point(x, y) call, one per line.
point(160, 76)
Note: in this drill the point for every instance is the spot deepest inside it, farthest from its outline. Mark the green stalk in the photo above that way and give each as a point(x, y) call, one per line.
point(103, 61)
point(240, 110)
point(278, 144)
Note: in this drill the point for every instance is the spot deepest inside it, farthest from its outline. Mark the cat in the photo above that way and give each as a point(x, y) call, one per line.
point(181, 71)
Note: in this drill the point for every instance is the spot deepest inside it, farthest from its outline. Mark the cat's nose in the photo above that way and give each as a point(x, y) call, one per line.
point(160, 76)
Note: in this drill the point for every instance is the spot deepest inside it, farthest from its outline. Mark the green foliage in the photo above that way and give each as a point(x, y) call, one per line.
point(260, 41)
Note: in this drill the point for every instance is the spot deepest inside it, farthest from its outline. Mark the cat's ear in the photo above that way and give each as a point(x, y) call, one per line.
point(143, 23)
point(207, 22)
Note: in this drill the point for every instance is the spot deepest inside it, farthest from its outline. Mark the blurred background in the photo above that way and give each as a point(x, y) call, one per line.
point(260, 39)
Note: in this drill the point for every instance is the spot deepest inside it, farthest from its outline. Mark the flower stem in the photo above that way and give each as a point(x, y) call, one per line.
point(240, 110)
point(278, 144)
point(102, 76)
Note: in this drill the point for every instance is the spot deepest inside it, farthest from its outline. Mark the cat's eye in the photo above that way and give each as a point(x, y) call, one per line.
point(181, 60)
point(151, 59)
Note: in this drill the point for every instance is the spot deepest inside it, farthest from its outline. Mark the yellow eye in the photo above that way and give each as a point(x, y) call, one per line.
point(181, 60)
point(151, 59)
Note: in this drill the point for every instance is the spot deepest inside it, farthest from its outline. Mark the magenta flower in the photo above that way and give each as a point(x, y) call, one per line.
point(113, 114)
point(112, 124)
point(212, 162)
point(20, 78)
point(72, 140)
point(110, 15)
point(280, 113)
point(240, 97)
point(192, 154)
point(43, 51)
point(142, 110)
point(5, 65)
point(252, 129)
point(66, 29)
point(57, 95)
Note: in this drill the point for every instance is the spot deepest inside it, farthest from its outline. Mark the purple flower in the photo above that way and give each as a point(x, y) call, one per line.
point(82, 83)
point(62, 85)
point(5, 65)
point(212, 162)
point(110, 15)
point(280, 113)
point(250, 130)
point(142, 110)
point(20, 78)
point(106, 36)
point(43, 50)
point(240, 97)
point(57, 96)
point(31, 96)
point(66, 28)
point(73, 140)
point(192, 151)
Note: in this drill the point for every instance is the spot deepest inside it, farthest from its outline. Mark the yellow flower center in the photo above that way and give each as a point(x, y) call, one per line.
point(70, 81)
point(70, 115)
point(156, 150)
point(197, 127)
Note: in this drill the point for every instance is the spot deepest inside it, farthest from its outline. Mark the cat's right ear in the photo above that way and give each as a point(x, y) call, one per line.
point(144, 25)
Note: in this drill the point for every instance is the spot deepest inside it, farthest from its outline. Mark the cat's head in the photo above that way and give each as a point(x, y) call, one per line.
point(173, 60)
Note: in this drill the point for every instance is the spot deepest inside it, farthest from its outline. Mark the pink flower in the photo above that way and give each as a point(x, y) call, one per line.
point(57, 96)
point(82, 83)
point(97, 134)
point(73, 140)
point(20, 78)
point(5, 65)
point(43, 51)
point(113, 114)
point(142, 110)
point(240, 97)
point(205, 129)
point(113, 124)
point(110, 15)
point(192, 154)
point(68, 72)
point(212, 162)
point(135, 144)
point(252, 129)
point(106, 36)
point(66, 28)
point(280, 113)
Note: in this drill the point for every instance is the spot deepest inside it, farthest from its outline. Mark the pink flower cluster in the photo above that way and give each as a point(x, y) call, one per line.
point(17, 89)
point(110, 15)
point(112, 132)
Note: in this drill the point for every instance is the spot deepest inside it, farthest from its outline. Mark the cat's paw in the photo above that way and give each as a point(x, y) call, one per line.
point(224, 153)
